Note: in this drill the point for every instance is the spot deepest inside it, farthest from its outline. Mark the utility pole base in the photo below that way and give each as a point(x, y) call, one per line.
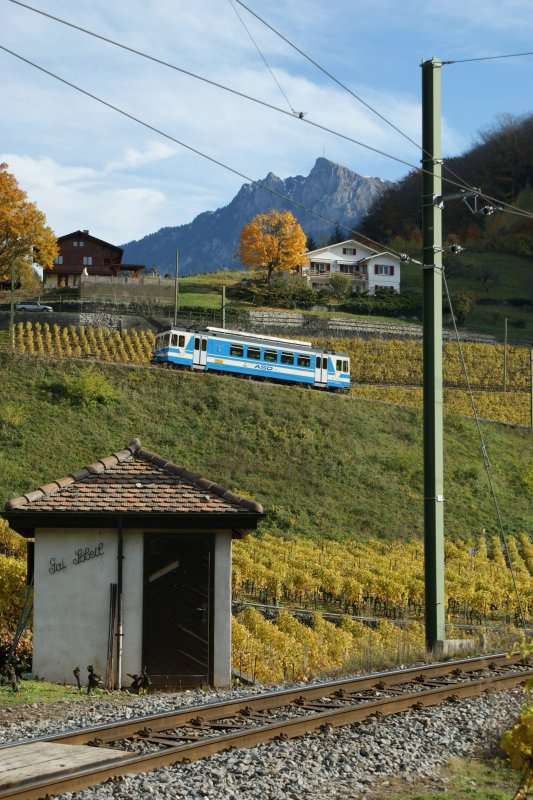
point(454, 647)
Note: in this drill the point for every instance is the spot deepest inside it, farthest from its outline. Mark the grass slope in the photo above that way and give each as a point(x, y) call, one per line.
point(322, 465)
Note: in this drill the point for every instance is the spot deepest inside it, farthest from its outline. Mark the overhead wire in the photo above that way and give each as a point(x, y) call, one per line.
point(350, 91)
point(486, 58)
point(485, 456)
point(195, 150)
point(225, 88)
point(460, 182)
point(262, 56)
point(461, 185)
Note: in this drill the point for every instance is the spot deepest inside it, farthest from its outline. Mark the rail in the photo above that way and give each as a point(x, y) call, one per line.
point(145, 743)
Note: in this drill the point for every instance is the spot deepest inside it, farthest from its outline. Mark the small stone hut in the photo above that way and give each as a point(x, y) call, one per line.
point(132, 569)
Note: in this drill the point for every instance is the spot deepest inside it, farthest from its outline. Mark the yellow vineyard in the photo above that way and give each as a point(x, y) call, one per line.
point(364, 579)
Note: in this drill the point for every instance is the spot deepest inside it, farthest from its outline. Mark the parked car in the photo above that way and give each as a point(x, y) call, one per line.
point(32, 305)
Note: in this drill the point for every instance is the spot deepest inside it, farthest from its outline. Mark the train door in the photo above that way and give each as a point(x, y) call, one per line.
point(321, 370)
point(199, 358)
point(177, 609)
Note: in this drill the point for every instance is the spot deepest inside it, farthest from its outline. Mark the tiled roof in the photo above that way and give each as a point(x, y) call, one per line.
point(132, 480)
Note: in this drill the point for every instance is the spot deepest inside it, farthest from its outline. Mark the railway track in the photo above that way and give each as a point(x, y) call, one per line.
point(53, 765)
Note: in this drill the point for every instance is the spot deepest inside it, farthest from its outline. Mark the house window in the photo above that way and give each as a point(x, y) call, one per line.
point(364, 269)
point(58, 260)
point(383, 269)
point(349, 251)
point(254, 352)
point(88, 261)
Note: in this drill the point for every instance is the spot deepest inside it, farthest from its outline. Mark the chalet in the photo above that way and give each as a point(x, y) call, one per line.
point(369, 270)
point(82, 254)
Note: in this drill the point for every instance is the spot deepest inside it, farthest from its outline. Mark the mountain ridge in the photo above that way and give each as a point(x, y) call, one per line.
point(331, 194)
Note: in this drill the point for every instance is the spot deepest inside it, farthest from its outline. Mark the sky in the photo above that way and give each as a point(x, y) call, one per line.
point(89, 167)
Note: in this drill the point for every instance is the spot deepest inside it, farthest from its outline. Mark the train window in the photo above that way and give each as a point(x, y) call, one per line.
point(287, 358)
point(324, 363)
point(338, 365)
point(181, 340)
point(164, 340)
point(174, 340)
point(196, 343)
point(317, 365)
point(204, 345)
point(254, 352)
point(236, 350)
point(345, 367)
point(271, 355)
point(304, 361)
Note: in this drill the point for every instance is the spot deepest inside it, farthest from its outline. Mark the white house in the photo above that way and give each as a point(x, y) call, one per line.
point(368, 269)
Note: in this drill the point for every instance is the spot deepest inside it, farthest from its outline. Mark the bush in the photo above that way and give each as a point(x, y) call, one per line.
point(385, 303)
point(88, 387)
point(463, 303)
point(289, 291)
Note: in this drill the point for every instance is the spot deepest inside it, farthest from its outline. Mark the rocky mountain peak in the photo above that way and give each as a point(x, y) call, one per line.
point(330, 192)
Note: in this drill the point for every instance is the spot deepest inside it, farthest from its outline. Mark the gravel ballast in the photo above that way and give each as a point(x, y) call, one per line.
point(339, 764)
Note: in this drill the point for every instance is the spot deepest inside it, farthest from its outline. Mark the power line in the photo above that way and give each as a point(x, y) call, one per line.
point(484, 453)
point(485, 58)
point(325, 72)
point(462, 185)
point(195, 150)
point(262, 56)
point(222, 86)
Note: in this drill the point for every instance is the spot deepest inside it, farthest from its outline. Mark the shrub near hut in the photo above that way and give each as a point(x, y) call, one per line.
point(12, 591)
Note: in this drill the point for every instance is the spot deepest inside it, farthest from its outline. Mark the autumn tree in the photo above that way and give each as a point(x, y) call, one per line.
point(25, 237)
point(273, 242)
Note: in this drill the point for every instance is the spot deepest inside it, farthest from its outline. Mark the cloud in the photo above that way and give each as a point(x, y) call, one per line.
point(134, 158)
point(78, 198)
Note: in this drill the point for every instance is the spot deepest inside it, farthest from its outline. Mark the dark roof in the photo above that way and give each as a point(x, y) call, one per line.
point(130, 482)
point(87, 235)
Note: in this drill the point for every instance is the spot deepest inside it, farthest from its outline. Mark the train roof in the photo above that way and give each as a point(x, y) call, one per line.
point(225, 333)
point(217, 331)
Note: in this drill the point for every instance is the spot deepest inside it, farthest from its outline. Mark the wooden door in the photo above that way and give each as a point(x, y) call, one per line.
point(177, 609)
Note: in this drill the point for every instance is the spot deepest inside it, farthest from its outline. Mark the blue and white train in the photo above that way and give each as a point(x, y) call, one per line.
point(252, 355)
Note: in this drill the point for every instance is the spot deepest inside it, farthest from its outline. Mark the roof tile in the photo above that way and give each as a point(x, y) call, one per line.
point(133, 479)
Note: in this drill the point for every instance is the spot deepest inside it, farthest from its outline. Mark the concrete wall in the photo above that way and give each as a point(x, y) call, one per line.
point(72, 600)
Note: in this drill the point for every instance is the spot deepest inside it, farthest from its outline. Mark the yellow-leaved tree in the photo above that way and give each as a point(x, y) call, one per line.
point(25, 238)
point(273, 242)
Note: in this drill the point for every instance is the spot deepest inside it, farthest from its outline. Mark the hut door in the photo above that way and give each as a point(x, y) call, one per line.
point(177, 609)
